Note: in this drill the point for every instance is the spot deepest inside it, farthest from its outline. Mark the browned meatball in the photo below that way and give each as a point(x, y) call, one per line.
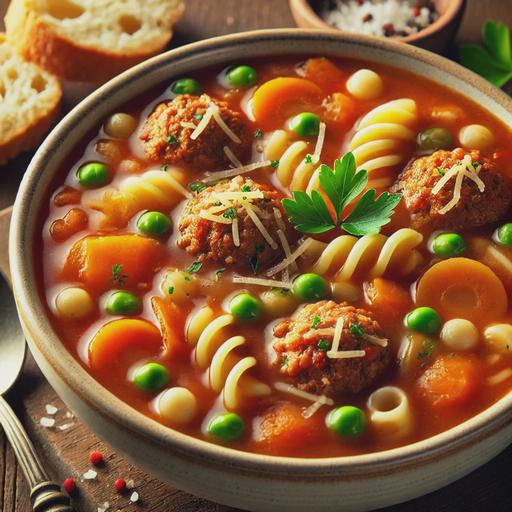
point(302, 342)
point(166, 134)
point(475, 208)
point(213, 241)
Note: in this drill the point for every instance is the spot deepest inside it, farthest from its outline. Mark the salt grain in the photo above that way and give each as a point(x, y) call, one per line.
point(130, 484)
point(104, 507)
point(134, 497)
point(90, 474)
point(69, 414)
point(51, 409)
point(47, 422)
point(64, 426)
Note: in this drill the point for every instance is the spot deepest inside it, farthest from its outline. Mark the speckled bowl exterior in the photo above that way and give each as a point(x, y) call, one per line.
point(244, 480)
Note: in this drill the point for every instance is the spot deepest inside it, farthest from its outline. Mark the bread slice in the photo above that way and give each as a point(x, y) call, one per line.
point(90, 40)
point(29, 102)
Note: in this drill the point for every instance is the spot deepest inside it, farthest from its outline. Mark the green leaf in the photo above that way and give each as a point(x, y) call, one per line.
point(479, 60)
point(344, 184)
point(195, 267)
point(308, 214)
point(496, 38)
point(370, 214)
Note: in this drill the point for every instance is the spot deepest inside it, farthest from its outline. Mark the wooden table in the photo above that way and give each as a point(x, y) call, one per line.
point(66, 452)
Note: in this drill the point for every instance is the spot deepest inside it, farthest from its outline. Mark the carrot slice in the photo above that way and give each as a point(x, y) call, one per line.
point(172, 323)
point(463, 288)
point(281, 97)
point(91, 260)
point(451, 381)
point(120, 343)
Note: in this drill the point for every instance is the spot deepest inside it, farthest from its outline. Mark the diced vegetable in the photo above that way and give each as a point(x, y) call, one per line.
point(339, 108)
point(305, 124)
point(365, 84)
point(389, 301)
point(245, 306)
point(120, 125)
point(123, 303)
point(93, 175)
point(119, 260)
point(423, 319)
point(346, 421)
point(124, 341)
point(451, 381)
point(476, 136)
point(462, 288)
point(74, 304)
point(324, 73)
point(177, 405)
point(242, 76)
point(448, 245)
point(186, 86)
point(459, 334)
point(276, 99)
point(310, 287)
point(151, 377)
point(227, 427)
point(434, 139)
point(172, 324)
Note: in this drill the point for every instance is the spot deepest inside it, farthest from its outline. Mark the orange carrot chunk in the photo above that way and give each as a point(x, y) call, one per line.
point(103, 262)
point(172, 323)
point(451, 381)
point(282, 97)
point(388, 301)
point(325, 73)
point(122, 342)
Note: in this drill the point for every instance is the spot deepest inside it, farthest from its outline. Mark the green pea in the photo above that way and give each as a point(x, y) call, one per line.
point(504, 234)
point(305, 124)
point(227, 427)
point(435, 138)
point(123, 303)
point(245, 306)
point(154, 224)
point(241, 76)
point(93, 175)
point(151, 377)
point(310, 287)
point(186, 86)
point(346, 421)
point(448, 245)
point(423, 319)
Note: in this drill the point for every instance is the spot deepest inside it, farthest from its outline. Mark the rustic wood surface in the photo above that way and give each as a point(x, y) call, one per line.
point(66, 452)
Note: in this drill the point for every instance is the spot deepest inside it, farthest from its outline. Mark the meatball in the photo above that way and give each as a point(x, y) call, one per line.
point(213, 241)
point(474, 208)
point(302, 342)
point(166, 134)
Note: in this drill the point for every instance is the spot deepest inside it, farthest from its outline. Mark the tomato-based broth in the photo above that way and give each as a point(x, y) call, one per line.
point(304, 257)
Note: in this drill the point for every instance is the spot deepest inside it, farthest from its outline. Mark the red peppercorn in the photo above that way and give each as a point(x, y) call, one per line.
point(416, 10)
point(120, 485)
point(96, 458)
point(69, 485)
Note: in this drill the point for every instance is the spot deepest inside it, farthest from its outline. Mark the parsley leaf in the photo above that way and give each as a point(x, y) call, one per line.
point(315, 322)
point(245, 188)
point(197, 186)
point(258, 133)
point(218, 273)
point(308, 159)
point(370, 214)
point(172, 139)
point(356, 330)
point(324, 345)
point(117, 277)
point(195, 267)
point(171, 290)
point(164, 167)
point(308, 214)
point(274, 164)
point(230, 213)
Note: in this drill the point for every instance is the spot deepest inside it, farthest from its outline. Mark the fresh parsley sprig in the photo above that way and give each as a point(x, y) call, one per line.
point(493, 59)
point(309, 213)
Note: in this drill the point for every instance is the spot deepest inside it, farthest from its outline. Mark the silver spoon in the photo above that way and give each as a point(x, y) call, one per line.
point(45, 495)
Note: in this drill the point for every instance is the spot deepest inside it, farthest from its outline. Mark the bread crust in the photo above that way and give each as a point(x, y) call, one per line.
point(39, 43)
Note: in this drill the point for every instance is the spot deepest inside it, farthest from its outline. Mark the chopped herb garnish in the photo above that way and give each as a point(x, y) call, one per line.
point(164, 167)
point(171, 290)
point(274, 164)
point(315, 322)
point(197, 186)
point(218, 273)
point(439, 171)
point(309, 213)
point(195, 267)
point(356, 330)
point(308, 159)
point(258, 133)
point(117, 277)
point(230, 213)
point(324, 345)
point(245, 188)
point(425, 356)
point(260, 248)
point(198, 116)
point(172, 139)
point(254, 263)
point(476, 164)
point(187, 277)
point(284, 361)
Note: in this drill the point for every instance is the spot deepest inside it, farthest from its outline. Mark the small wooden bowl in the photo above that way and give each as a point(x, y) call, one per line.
point(437, 37)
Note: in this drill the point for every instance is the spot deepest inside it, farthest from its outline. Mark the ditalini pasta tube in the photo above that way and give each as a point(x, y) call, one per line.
point(390, 412)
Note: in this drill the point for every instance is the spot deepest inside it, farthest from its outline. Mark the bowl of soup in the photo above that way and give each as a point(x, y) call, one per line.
point(273, 269)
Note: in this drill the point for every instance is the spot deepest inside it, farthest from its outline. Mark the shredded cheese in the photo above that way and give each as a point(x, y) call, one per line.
point(287, 388)
point(272, 283)
point(236, 232)
point(315, 157)
point(229, 173)
point(290, 259)
point(232, 157)
point(214, 218)
point(203, 123)
point(500, 258)
point(345, 354)
point(456, 195)
point(238, 194)
point(381, 342)
point(259, 225)
point(225, 128)
point(328, 332)
point(312, 409)
point(188, 124)
point(279, 219)
point(499, 377)
point(338, 332)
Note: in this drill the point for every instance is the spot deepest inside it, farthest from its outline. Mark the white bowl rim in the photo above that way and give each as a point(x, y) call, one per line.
point(113, 409)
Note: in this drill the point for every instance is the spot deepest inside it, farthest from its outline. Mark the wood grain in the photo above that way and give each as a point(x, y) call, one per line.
point(66, 453)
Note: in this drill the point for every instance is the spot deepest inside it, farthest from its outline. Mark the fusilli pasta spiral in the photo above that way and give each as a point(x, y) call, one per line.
point(373, 255)
point(215, 351)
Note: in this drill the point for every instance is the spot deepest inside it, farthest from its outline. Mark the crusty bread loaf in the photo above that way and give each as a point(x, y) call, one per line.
point(29, 102)
point(90, 40)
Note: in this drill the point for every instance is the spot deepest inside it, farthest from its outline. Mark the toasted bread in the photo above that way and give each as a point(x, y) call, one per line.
point(29, 102)
point(90, 40)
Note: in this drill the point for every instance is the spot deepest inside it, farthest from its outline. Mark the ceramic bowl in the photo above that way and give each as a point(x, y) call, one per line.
point(436, 37)
point(244, 480)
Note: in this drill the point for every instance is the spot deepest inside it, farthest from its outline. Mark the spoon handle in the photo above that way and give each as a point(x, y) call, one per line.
point(45, 495)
